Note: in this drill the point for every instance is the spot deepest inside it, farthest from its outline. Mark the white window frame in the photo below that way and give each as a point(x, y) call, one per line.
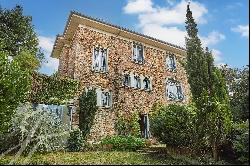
point(99, 59)
point(135, 53)
point(172, 82)
point(171, 66)
point(137, 81)
point(100, 94)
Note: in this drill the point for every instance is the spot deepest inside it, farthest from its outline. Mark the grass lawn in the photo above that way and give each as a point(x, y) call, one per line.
point(104, 157)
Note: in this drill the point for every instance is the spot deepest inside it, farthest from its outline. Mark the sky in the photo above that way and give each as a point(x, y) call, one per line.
point(223, 24)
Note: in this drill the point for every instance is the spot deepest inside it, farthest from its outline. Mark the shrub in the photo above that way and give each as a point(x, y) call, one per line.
point(123, 143)
point(38, 129)
point(14, 87)
point(75, 141)
point(173, 124)
point(240, 140)
point(128, 125)
point(87, 112)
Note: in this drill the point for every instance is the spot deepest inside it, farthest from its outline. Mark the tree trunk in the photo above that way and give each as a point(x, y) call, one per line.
point(215, 151)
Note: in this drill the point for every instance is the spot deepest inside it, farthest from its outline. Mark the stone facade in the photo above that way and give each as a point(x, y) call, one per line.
point(75, 61)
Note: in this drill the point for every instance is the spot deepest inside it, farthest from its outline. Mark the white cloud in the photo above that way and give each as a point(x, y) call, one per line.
point(163, 22)
point(51, 64)
point(242, 29)
point(138, 6)
point(169, 34)
point(218, 60)
point(46, 43)
point(173, 14)
point(213, 38)
point(171, 2)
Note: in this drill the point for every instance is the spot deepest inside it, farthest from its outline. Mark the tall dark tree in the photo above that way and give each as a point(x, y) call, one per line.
point(17, 35)
point(208, 90)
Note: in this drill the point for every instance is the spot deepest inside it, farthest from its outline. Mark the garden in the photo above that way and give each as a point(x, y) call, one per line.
point(212, 129)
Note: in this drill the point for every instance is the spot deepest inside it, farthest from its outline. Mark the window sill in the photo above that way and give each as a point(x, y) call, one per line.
point(179, 100)
point(104, 107)
point(138, 62)
point(172, 70)
point(102, 72)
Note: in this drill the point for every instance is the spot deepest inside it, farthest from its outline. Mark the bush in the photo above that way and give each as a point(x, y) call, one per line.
point(75, 142)
point(38, 129)
point(240, 140)
point(173, 124)
point(128, 125)
point(14, 86)
point(123, 143)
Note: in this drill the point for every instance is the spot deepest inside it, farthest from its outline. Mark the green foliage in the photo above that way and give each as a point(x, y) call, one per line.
point(75, 141)
point(88, 109)
point(14, 87)
point(208, 89)
point(237, 81)
point(240, 139)
point(38, 129)
point(173, 124)
point(128, 125)
point(123, 142)
point(17, 33)
point(52, 89)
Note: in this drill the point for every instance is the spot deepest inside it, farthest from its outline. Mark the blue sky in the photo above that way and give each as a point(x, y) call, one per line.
point(223, 24)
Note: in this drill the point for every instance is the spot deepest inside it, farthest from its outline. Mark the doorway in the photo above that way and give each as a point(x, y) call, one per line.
point(144, 126)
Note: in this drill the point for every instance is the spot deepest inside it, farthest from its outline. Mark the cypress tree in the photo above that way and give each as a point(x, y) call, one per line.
point(208, 90)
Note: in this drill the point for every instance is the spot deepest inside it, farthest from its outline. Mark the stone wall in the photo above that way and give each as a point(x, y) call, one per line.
point(76, 62)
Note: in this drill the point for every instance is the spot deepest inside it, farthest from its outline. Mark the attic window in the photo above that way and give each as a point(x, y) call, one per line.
point(138, 53)
point(171, 62)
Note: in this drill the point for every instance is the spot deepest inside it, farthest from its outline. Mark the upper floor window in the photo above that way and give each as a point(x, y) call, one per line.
point(171, 62)
point(174, 90)
point(104, 98)
point(146, 83)
point(100, 62)
point(137, 81)
point(138, 53)
point(126, 80)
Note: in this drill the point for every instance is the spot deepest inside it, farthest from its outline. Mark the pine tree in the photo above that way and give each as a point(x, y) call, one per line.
point(208, 90)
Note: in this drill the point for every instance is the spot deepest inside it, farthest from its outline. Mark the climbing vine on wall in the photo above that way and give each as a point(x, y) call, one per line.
point(52, 89)
point(88, 108)
point(128, 125)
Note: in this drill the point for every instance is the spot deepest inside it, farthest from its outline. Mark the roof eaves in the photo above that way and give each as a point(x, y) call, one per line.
point(122, 28)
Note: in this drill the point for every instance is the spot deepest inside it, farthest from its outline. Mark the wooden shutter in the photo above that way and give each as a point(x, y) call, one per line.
point(99, 97)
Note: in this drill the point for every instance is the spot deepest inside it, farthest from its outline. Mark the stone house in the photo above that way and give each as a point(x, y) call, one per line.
point(131, 71)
